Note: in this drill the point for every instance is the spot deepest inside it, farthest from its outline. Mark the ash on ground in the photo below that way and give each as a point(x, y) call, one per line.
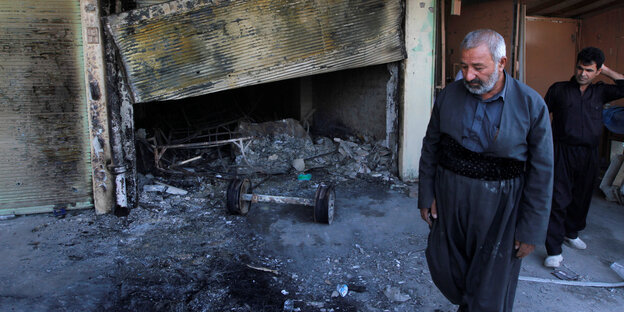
point(180, 250)
point(215, 261)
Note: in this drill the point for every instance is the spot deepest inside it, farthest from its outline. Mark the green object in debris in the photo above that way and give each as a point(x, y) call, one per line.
point(304, 177)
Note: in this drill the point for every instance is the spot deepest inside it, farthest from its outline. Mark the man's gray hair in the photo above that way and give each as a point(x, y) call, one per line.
point(493, 40)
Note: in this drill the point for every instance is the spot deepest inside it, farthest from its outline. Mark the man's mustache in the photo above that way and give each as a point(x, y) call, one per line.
point(474, 81)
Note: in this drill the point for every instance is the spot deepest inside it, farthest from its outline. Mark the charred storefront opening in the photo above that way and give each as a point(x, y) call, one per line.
point(336, 122)
point(176, 134)
point(248, 88)
point(288, 138)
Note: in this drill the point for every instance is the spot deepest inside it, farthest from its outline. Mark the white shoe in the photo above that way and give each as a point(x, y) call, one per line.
point(553, 261)
point(575, 243)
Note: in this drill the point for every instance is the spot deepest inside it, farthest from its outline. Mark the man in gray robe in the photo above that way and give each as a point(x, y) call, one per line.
point(485, 178)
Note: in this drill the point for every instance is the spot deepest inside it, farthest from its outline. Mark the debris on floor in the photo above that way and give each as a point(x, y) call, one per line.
point(394, 294)
point(618, 268)
point(280, 147)
point(283, 146)
point(565, 274)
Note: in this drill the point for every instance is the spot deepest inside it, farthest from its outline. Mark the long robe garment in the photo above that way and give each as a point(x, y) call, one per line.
point(470, 251)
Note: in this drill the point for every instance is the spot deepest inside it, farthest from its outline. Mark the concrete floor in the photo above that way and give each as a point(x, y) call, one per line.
point(375, 246)
point(393, 220)
point(604, 236)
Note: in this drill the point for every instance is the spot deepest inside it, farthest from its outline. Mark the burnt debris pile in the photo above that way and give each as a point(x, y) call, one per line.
point(275, 148)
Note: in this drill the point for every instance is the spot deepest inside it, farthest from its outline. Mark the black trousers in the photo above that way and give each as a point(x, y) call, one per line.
point(470, 249)
point(576, 170)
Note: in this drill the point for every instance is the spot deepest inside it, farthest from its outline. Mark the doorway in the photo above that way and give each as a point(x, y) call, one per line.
point(551, 47)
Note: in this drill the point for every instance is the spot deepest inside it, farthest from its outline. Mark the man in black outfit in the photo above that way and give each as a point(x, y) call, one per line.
point(576, 114)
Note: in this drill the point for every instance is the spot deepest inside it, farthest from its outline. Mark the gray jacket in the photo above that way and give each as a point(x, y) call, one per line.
point(524, 134)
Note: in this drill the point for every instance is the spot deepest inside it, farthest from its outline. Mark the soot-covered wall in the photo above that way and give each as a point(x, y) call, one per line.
point(352, 102)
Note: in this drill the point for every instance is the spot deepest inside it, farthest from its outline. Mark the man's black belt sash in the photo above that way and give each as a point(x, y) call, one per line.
point(454, 157)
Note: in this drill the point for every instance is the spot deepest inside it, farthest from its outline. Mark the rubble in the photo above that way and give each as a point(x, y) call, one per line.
point(298, 164)
point(280, 147)
point(161, 187)
point(275, 147)
point(283, 147)
point(394, 294)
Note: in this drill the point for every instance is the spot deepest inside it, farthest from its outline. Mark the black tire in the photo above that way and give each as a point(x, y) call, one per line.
point(324, 204)
point(235, 204)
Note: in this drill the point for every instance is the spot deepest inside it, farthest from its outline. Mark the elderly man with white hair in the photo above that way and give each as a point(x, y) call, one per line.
point(485, 179)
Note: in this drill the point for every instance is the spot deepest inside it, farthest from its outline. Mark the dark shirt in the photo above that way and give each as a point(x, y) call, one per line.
point(577, 119)
point(481, 120)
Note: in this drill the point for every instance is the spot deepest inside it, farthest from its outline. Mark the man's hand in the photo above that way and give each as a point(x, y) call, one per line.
point(610, 73)
point(428, 213)
point(523, 249)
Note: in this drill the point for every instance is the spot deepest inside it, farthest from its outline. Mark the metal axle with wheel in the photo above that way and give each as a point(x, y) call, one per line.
point(240, 197)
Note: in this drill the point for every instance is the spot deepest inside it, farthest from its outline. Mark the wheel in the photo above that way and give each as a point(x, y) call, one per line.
point(235, 203)
point(324, 204)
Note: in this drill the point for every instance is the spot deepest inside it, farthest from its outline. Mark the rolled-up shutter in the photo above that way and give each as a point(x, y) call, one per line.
point(44, 139)
point(188, 48)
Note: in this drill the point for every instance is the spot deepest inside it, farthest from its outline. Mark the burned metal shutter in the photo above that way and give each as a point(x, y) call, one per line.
point(44, 139)
point(145, 3)
point(188, 48)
